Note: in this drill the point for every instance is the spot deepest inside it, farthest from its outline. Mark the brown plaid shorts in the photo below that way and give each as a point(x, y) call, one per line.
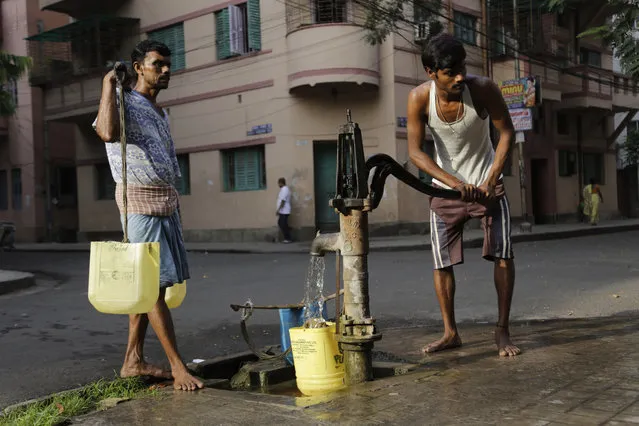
point(447, 220)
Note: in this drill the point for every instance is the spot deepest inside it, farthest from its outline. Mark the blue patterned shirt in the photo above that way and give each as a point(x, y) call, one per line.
point(150, 152)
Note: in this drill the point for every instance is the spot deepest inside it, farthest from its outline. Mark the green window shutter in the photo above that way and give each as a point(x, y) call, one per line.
point(243, 169)
point(226, 170)
point(240, 171)
point(252, 169)
point(222, 37)
point(178, 57)
point(254, 25)
point(173, 37)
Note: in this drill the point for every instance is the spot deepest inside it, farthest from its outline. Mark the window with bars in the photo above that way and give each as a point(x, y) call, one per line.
point(238, 30)
point(567, 163)
point(465, 27)
point(244, 169)
point(329, 11)
point(173, 37)
point(16, 189)
point(590, 57)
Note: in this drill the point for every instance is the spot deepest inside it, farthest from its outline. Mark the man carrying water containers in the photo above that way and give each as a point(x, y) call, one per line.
point(457, 108)
point(152, 200)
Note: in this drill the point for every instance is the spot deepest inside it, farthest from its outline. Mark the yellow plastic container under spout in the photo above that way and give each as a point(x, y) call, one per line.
point(175, 295)
point(124, 277)
point(319, 365)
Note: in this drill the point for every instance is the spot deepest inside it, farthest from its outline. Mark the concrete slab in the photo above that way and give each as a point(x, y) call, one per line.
point(11, 281)
point(570, 372)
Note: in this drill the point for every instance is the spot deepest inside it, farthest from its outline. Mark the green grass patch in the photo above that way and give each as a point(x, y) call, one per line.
point(62, 407)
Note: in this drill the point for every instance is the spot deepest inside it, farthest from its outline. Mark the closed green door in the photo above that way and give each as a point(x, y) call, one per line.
point(325, 166)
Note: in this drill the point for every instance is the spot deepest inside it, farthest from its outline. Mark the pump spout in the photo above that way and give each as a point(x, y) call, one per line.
point(325, 243)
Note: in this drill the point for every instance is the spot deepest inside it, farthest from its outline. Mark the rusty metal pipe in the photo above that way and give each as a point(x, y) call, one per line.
point(354, 230)
point(357, 329)
point(325, 243)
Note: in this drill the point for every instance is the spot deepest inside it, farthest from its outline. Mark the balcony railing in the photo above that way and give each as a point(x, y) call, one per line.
point(82, 8)
point(79, 49)
point(302, 13)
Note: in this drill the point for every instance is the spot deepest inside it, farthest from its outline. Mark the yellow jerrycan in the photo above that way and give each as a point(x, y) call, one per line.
point(124, 277)
point(175, 295)
point(319, 365)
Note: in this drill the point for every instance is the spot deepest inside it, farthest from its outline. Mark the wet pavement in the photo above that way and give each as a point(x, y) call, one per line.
point(576, 372)
point(51, 338)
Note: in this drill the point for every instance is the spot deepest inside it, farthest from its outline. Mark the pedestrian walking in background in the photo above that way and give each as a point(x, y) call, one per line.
point(284, 210)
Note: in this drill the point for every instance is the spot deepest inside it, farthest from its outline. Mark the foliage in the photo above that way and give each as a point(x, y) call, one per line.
point(12, 68)
point(385, 16)
point(62, 407)
point(631, 148)
point(621, 33)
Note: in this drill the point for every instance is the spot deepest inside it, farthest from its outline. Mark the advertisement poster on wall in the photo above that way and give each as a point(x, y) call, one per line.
point(520, 93)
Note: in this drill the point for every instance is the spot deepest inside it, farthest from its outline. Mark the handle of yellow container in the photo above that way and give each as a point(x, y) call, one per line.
point(120, 77)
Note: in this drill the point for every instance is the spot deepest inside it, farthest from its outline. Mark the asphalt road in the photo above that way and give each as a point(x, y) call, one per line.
point(52, 339)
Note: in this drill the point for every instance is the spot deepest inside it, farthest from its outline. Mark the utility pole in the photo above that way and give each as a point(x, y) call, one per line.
point(520, 137)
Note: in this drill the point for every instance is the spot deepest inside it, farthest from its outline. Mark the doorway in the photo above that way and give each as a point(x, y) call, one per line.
point(538, 178)
point(325, 168)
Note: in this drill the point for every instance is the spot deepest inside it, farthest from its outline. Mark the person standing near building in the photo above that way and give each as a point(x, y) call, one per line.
point(592, 197)
point(283, 210)
point(457, 108)
point(153, 204)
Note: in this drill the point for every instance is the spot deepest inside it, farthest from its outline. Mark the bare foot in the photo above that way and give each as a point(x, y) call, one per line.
point(446, 342)
point(144, 369)
point(504, 344)
point(184, 381)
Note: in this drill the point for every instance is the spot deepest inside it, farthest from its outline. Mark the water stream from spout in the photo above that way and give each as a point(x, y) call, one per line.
point(314, 296)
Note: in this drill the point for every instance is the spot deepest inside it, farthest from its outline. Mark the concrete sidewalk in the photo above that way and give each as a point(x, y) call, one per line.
point(575, 372)
point(11, 281)
point(472, 238)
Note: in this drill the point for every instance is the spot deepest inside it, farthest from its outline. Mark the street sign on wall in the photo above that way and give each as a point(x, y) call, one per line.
point(522, 119)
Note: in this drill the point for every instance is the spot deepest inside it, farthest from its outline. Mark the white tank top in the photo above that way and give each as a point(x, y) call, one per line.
point(462, 148)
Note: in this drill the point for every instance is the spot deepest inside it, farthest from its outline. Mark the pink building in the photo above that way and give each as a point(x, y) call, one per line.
point(260, 87)
point(24, 152)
